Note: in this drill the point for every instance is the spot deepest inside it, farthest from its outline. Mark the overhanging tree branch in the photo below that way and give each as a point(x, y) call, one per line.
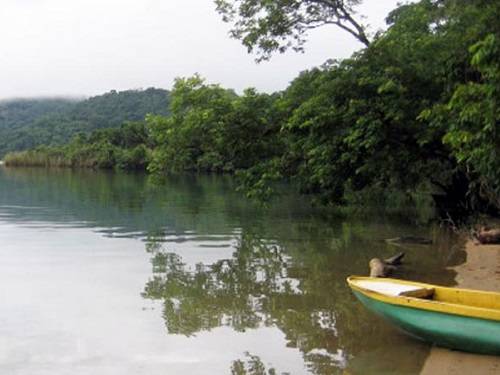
point(275, 26)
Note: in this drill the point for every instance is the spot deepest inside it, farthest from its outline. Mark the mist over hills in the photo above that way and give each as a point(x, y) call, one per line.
point(27, 123)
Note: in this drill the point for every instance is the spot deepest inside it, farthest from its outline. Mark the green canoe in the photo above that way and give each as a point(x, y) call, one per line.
point(462, 319)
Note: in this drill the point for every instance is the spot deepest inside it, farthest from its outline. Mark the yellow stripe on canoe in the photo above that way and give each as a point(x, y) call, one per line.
point(456, 301)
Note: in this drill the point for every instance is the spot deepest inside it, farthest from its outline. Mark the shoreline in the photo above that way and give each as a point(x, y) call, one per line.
point(481, 270)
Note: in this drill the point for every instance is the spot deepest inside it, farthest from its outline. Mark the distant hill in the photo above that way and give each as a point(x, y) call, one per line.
point(27, 123)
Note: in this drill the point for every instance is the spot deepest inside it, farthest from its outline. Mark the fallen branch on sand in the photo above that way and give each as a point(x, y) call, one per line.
point(487, 236)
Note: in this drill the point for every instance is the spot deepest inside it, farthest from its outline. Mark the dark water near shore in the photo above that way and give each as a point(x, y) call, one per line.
point(106, 273)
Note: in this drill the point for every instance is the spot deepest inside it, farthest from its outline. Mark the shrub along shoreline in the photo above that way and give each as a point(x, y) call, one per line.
point(123, 148)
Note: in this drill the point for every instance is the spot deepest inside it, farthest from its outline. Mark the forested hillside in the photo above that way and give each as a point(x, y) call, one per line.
point(27, 123)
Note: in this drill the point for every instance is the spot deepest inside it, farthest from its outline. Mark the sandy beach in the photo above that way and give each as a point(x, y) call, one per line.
point(480, 271)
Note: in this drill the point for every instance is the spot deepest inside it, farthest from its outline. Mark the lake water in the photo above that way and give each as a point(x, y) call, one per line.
point(107, 273)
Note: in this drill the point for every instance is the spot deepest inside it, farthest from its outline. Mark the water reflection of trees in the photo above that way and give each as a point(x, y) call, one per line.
point(262, 284)
point(239, 292)
point(258, 286)
point(251, 365)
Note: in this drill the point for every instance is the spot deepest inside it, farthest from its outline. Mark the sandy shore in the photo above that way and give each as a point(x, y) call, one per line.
point(480, 271)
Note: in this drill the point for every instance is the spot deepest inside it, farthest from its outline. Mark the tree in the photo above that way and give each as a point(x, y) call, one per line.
point(250, 134)
point(279, 25)
point(410, 112)
point(189, 139)
point(474, 118)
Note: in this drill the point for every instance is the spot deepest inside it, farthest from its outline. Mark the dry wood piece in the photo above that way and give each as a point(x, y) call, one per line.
point(382, 268)
point(487, 236)
point(395, 260)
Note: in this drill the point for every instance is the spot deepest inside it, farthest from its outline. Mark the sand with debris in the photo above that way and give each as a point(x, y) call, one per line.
point(480, 271)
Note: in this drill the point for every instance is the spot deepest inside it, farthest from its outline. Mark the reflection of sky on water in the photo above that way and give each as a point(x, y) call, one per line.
point(71, 304)
point(220, 277)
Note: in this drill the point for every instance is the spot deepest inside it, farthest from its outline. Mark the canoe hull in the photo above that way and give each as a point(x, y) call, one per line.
point(448, 330)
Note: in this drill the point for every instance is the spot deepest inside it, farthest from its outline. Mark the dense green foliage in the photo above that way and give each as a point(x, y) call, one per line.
point(25, 124)
point(417, 110)
point(212, 129)
point(17, 119)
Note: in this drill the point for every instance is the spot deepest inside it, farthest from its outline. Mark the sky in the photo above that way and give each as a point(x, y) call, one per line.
point(88, 47)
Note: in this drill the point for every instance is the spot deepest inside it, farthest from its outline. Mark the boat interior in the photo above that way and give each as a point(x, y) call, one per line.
point(400, 288)
point(395, 290)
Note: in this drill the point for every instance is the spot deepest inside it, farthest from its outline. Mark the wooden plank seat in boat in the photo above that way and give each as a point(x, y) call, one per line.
point(397, 290)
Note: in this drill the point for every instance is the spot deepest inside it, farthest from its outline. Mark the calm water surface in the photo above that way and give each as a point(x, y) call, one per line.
point(105, 273)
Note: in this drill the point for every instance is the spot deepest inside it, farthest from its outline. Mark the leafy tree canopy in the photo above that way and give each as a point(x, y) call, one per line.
point(279, 25)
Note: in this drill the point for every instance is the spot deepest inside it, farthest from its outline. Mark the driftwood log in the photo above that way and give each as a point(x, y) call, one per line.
point(382, 268)
point(411, 240)
point(487, 236)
